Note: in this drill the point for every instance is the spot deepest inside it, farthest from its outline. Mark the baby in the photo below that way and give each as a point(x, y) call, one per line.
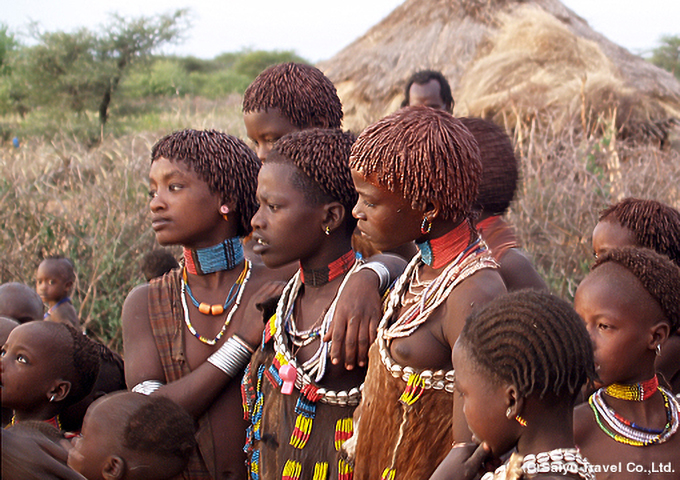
point(133, 436)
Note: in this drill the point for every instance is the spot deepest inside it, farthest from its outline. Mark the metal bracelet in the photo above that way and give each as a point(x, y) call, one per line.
point(381, 271)
point(147, 387)
point(231, 357)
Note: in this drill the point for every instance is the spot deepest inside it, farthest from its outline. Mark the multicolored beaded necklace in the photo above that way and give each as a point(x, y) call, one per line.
point(438, 252)
point(224, 256)
point(637, 392)
point(626, 432)
point(318, 277)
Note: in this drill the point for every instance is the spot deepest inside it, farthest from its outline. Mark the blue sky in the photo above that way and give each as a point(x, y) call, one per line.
point(316, 29)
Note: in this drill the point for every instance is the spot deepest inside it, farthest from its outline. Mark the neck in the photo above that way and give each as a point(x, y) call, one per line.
point(547, 432)
point(637, 392)
point(440, 251)
point(318, 277)
point(223, 256)
point(41, 414)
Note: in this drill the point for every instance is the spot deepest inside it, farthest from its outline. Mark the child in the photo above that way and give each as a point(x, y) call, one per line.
point(520, 363)
point(429, 88)
point(287, 98)
point(496, 191)
point(111, 378)
point(417, 172)
point(157, 263)
point(54, 282)
point(128, 436)
point(306, 194)
point(20, 302)
point(630, 302)
point(46, 367)
point(645, 223)
point(6, 325)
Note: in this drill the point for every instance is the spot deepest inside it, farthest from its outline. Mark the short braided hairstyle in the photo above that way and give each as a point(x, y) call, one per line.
point(500, 169)
point(424, 155)
point(654, 224)
point(533, 340)
point(303, 94)
point(160, 427)
point(223, 161)
point(322, 157)
point(657, 274)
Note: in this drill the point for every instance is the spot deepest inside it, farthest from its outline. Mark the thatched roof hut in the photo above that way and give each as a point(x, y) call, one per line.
point(505, 59)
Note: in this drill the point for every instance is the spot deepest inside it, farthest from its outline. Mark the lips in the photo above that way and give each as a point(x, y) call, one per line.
point(259, 244)
point(159, 223)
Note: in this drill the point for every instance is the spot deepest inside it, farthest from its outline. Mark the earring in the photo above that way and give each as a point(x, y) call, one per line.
point(658, 349)
point(521, 421)
point(224, 210)
point(327, 230)
point(426, 226)
point(508, 412)
point(52, 398)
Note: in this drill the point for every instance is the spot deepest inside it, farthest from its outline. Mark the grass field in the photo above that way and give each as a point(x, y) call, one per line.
point(58, 196)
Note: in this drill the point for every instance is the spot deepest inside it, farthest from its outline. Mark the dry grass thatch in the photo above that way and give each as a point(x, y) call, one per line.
point(510, 60)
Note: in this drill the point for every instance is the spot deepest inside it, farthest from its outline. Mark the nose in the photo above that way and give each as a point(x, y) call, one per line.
point(257, 222)
point(263, 150)
point(156, 202)
point(358, 213)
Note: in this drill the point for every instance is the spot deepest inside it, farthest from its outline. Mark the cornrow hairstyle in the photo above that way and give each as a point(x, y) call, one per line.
point(654, 224)
point(66, 266)
point(76, 360)
point(160, 427)
point(109, 357)
point(424, 155)
point(657, 274)
point(500, 169)
point(426, 76)
point(223, 161)
point(533, 340)
point(303, 94)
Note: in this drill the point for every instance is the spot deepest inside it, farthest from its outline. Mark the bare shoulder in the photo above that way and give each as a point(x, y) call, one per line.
point(136, 304)
point(584, 423)
point(519, 272)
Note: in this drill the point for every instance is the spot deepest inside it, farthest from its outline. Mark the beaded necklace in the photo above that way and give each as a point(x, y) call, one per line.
point(637, 392)
point(223, 256)
point(49, 311)
point(241, 281)
point(54, 421)
point(216, 309)
point(561, 461)
point(626, 432)
point(318, 277)
point(438, 252)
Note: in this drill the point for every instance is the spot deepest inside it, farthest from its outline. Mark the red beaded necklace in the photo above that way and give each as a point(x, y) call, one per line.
point(440, 251)
point(320, 276)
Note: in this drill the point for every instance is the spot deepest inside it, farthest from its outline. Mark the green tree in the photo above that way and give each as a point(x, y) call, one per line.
point(667, 55)
point(82, 71)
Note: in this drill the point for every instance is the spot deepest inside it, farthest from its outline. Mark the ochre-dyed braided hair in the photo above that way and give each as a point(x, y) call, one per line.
point(160, 427)
point(322, 155)
point(657, 274)
point(424, 155)
point(224, 162)
point(654, 224)
point(426, 76)
point(303, 94)
point(533, 340)
point(499, 165)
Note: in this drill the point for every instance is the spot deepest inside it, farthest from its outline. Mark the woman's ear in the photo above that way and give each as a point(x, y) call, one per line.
point(114, 468)
point(432, 211)
point(59, 391)
point(514, 401)
point(334, 216)
point(659, 333)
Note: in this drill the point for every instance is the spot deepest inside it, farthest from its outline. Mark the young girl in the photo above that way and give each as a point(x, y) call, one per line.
point(417, 172)
point(520, 363)
point(645, 223)
point(299, 403)
point(629, 303)
point(128, 436)
point(46, 367)
point(496, 191)
point(54, 282)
